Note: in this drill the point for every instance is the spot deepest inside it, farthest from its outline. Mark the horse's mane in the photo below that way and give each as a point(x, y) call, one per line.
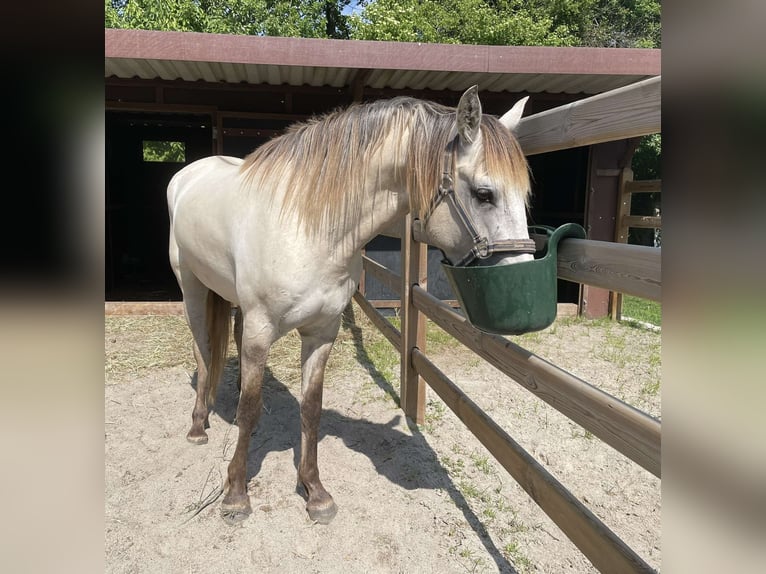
point(322, 163)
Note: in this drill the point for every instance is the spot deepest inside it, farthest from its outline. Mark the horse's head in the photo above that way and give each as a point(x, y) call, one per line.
point(479, 214)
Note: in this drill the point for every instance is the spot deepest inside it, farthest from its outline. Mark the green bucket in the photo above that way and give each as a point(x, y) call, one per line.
point(518, 298)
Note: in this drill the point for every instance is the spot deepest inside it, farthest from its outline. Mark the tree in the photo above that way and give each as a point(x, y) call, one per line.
point(606, 23)
point(504, 22)
point(297, 18)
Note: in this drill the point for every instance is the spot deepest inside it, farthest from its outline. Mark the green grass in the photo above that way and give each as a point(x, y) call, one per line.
point(642, 309)
point(514, 553)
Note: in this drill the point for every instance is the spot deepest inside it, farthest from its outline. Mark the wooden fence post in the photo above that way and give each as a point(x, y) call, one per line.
point(621, 231)
point(414, 272)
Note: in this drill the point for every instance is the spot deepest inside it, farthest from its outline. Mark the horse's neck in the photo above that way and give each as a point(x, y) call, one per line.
point(385, 201)
point(382, 214)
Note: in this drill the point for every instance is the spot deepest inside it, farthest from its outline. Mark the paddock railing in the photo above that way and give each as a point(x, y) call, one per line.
point(628, 112)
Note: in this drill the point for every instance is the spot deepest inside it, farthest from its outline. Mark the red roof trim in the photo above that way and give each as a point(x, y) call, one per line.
point(199, 47)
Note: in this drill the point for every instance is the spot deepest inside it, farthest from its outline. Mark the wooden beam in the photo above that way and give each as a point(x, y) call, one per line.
point(625, 428)
point(358, 81)
point(389, 331)
point(159, 108)
point(644, 186)
point(143, 308)
point(642, 221)
point(377, 55)
point(388, 278)
point(631, 269)
point(596, 541)
point(251, 132)
point(626, 112)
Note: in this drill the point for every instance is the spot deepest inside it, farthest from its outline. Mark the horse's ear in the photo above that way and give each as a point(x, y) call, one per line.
point(512, 117)
point(469, 115)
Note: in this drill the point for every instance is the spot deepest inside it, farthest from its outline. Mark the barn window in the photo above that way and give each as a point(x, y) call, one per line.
point(164, 151)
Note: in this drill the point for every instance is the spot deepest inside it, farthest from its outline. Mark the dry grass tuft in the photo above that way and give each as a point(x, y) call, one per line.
point(135, 345)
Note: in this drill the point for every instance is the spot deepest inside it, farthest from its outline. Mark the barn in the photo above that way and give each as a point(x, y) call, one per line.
point(190, 95)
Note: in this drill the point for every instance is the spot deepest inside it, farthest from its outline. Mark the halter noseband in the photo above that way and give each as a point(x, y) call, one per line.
point(482, 248)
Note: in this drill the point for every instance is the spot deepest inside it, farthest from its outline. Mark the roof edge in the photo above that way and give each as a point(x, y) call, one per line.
point(329, 53)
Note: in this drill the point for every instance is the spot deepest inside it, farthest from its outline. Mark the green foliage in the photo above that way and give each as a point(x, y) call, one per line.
point(297, 18)
point(647, 159)
point(610, 23)
point(647, 164)
point(164, 151)
point(505, 22)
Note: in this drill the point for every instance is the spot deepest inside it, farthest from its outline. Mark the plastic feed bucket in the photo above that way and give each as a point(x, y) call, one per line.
point(513, 299)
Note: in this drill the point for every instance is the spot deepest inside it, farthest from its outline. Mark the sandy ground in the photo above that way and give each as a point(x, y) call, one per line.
point(427, 499)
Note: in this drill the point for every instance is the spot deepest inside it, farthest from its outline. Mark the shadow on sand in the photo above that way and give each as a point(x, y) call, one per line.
point(407, 461)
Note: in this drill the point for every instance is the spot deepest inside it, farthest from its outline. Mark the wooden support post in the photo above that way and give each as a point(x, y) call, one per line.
point(621, 230)
point(414, 272)
point(600, 213)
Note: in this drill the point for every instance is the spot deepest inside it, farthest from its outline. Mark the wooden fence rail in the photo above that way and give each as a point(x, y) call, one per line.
point(631, 269)
point(635, 270)
point(628, 430)
point(623, 113)
point(603, 547)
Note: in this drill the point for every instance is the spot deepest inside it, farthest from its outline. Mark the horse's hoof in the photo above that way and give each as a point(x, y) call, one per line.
point(323, 514)
point(235, 509)
point(196, 438)
point(234, 517)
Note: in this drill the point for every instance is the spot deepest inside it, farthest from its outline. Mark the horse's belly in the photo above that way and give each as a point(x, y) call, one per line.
point(319, 306)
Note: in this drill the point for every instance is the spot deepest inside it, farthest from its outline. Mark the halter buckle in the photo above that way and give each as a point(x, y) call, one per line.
point(446, 186)
point(481, 247)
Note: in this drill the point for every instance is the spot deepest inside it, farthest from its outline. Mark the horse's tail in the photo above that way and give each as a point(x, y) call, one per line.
point(218, 328)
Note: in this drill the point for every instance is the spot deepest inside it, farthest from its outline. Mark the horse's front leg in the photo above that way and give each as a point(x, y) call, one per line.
point(255, 344)
point(315, 349)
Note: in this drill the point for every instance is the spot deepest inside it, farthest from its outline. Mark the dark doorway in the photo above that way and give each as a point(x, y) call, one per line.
point(143, 151)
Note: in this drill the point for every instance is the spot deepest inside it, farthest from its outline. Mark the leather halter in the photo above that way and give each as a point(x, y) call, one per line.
point(482, 248)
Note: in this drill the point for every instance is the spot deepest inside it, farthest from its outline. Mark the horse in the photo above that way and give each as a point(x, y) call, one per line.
point(278, 237)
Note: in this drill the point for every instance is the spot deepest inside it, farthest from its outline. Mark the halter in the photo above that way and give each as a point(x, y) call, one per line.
point(482, 248)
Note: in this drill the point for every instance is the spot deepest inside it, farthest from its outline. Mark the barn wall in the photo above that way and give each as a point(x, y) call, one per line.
point(236, 120)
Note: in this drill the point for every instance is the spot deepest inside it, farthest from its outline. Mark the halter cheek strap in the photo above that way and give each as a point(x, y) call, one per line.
point(482, 248)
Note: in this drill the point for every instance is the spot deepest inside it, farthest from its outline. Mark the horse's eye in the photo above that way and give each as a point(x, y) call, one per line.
point(484, 194)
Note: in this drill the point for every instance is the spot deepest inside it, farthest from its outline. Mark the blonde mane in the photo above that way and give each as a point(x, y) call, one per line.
point(322, 164)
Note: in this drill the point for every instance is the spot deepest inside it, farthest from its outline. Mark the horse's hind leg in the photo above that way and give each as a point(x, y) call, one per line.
point(315, 350)
point(195, 301)
point(238, 341)
point(256, 339)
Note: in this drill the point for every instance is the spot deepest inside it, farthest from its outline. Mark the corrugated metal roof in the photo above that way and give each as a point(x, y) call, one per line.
point(336, 63)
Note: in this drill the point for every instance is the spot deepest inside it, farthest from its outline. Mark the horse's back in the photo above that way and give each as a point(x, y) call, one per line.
point(204, 175)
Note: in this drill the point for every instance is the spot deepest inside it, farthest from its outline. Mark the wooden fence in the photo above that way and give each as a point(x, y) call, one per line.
point(620, 114)
point(626, 220)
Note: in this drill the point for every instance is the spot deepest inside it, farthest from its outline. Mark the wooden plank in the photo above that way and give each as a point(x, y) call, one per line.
point(644, 186)
point(623, 206)
point(626, 112)
point(414, 273)
point(596, 541)
point(642, 221)
point(384, 326)
point(628, 430)
point(388, 278)
point(143, 308)
point(631, 269)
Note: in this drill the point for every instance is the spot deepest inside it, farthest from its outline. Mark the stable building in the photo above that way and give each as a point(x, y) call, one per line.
point(191, 95)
